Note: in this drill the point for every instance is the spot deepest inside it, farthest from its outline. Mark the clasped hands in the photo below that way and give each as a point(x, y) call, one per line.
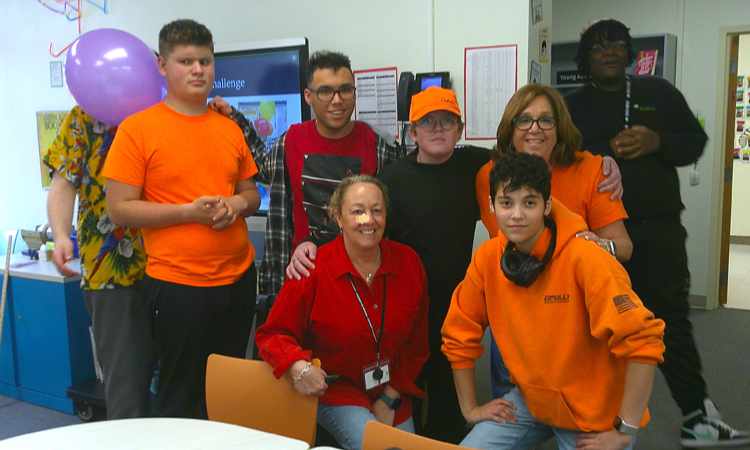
point(216, 211)
point(634, 142)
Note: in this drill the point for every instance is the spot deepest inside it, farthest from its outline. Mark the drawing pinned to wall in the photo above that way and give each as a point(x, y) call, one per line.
point(535, 73)
point(740, 96)
point(47, 126)
point(73, 12)
point(544, 45)
point(740, 80)
point(537, 9)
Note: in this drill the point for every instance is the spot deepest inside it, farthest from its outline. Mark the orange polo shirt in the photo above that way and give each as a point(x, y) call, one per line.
point(575, 186)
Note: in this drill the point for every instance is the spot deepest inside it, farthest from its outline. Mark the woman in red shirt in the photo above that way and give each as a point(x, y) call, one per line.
point(362, 313)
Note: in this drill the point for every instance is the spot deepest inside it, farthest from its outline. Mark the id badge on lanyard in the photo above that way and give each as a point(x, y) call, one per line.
point(377, 373)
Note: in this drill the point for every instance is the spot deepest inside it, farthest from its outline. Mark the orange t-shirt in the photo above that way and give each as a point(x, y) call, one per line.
point(175, 159)
point(575, 186)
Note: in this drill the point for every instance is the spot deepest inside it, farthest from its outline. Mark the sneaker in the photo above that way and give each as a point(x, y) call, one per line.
point(704, 428)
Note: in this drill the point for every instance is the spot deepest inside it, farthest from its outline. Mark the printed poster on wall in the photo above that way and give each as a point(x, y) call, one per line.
point(47, 125)
point(645, 62)
point(376, 100)
point(490, 79)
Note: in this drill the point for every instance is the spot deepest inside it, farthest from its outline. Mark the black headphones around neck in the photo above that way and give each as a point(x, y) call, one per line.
point(522, 268)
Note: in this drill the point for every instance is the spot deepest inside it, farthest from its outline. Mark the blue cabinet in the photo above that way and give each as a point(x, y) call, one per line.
point(46, 346)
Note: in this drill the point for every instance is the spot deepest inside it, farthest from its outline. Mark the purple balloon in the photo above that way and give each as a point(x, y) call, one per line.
point(112, 74)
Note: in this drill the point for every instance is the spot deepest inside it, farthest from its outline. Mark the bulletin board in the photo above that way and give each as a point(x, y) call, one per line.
point(47, 126)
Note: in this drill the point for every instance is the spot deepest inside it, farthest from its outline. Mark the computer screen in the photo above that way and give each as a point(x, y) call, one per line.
point(265, 82)
point(431, 81)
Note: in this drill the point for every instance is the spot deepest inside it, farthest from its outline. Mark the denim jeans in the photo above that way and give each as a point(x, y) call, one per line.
point(499, 376)
point(525, 433)
point(347, 424)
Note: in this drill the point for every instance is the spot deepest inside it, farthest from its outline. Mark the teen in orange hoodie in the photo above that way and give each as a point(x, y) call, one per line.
point(578, 342)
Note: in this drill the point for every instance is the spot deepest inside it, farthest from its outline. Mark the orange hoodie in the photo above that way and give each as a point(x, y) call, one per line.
point(568, 337)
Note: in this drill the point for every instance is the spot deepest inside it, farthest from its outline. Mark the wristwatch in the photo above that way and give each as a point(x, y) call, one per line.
point(611, 247)
point(624, 427)
point(392, 403)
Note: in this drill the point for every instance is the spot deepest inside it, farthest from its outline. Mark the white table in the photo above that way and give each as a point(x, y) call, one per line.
point(152, 433)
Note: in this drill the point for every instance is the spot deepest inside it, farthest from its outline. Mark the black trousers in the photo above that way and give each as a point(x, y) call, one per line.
point(660, 277)
point(442, 417)
point(443, 420)
point(190, 323)
point(122, 321)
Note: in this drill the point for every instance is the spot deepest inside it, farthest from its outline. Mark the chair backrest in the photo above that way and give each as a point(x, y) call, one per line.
point(245, 392)
point(379, 436)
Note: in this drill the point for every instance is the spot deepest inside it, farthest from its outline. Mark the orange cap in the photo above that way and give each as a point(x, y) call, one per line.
point(433, 99)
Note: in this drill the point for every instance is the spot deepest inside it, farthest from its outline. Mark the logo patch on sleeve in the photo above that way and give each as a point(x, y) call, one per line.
point(623, 303)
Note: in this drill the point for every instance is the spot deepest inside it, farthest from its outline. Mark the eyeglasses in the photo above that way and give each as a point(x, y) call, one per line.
point(432, 122)
point(524, 123)
point(608, 45)
point(326, 93)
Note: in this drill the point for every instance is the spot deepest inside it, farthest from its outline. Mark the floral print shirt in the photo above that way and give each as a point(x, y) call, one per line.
point(111, 256)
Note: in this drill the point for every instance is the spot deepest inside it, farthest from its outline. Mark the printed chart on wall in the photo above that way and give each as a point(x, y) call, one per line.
point(47, 125)
point(490, 79)
point(376, 100)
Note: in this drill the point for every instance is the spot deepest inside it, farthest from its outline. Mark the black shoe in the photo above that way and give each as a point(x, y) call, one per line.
point(704, 428)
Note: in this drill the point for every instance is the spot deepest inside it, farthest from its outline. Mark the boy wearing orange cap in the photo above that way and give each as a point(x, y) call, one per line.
point(434, 211)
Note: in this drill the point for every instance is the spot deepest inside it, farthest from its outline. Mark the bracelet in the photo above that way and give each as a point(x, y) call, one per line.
point(298, 377)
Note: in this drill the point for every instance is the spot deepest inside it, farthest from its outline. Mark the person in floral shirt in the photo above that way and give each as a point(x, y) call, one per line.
point(112, 262)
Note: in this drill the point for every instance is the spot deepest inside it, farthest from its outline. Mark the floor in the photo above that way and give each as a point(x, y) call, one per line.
point(722, 337)
point(738, 289)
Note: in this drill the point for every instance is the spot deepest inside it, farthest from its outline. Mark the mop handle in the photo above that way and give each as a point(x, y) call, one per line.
point(6, 274)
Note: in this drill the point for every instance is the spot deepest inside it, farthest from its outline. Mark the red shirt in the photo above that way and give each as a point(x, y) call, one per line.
point(315, 167)
point(320, 317)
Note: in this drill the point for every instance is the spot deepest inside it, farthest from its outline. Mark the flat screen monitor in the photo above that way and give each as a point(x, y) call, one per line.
point(265, 82)
point(439, 79)
point(431, 81)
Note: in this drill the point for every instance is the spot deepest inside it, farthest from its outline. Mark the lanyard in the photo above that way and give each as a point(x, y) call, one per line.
point(627, 101)
point(377, 339)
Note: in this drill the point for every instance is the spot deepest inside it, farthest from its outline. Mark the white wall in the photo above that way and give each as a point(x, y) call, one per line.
point(697, 24)
point(373, 34)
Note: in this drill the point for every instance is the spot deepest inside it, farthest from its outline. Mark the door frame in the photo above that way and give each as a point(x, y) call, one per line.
point(721, 196)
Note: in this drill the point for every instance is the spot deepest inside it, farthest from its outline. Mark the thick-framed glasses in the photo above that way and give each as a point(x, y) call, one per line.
point(609, 45)
point(326, 93)
point(524, 123)
point(431, 122)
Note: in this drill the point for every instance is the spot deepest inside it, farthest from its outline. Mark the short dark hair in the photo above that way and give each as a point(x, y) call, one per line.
point(598, 32)
point(184, 32)
point(517, 170)
point(325, 59)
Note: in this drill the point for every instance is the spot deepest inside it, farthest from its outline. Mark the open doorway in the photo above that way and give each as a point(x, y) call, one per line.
point(734, 287)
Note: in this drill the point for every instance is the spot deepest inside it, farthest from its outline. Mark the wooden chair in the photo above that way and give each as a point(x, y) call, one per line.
point(245, 392)
point(379, 436)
